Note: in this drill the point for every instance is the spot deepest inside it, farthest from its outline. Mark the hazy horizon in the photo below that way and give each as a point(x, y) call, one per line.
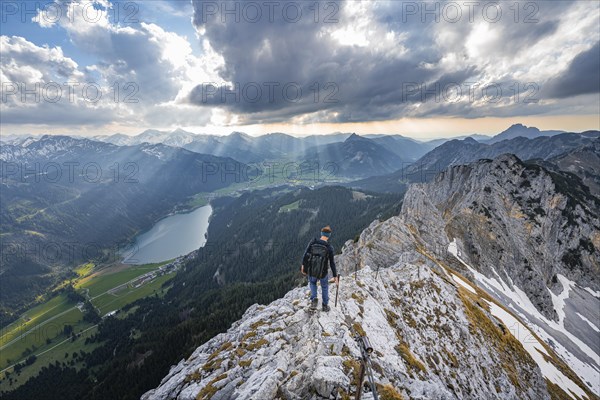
point(430, 136)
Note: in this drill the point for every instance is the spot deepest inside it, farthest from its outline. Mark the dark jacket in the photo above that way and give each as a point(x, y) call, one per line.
point(330, 254)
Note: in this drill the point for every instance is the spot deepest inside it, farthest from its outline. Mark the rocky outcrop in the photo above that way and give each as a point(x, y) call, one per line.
point(513, 219)
point(427, 346)
point(583, 162)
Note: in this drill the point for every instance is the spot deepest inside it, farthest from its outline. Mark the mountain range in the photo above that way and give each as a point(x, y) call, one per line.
point(237, 145)
point(74, 194)
point(455, 152)
point(164, 175)
point(374, 155)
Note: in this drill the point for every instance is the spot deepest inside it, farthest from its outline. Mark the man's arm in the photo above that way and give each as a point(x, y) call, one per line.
point(332, 261)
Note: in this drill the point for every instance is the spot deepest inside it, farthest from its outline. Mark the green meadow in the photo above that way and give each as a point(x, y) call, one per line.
point(40, 330)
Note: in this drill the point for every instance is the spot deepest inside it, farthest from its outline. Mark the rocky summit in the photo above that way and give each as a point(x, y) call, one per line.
point(447, 319)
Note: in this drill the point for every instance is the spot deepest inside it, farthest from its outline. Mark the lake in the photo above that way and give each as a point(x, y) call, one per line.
point(171, 237)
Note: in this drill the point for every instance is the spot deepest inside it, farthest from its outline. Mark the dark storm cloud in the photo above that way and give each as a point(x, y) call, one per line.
point(355, 83)
point(581, 77)
point(299, 55)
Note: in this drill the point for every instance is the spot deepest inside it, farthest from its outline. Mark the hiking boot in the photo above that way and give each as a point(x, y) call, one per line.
point(326, 307)
point(314, 303)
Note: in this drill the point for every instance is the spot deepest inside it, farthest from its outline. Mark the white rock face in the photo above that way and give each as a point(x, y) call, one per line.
point(328, 375)
point(425, 346)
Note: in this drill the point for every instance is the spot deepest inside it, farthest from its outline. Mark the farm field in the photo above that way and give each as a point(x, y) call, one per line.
point(40, 331)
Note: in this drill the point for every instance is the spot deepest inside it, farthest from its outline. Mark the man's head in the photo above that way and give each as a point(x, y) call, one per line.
point(325, 232)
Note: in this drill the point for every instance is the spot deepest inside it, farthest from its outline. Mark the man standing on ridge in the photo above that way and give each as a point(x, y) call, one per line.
point(315, 262)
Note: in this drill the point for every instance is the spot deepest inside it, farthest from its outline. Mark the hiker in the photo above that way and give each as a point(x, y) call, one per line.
point(317, 258)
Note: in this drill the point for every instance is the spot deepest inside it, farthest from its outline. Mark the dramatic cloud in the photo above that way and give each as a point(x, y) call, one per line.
point(581, 77)
point(139, 71)
point(385, 60)
point(22, 61)
point(297, 62)
point(41, 85)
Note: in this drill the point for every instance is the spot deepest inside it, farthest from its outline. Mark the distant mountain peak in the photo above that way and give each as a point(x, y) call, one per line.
point(240, 134)
point(354, 136)
point(520, 130)
point(470, 140)
point(520, 126)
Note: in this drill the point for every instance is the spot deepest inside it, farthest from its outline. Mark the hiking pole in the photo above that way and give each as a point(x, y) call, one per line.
point(337, 289)
point(361, 378)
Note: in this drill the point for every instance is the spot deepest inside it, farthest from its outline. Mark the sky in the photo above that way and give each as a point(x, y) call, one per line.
point(422, 69)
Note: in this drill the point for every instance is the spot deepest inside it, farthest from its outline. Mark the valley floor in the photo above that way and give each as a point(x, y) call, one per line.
point(40, 332)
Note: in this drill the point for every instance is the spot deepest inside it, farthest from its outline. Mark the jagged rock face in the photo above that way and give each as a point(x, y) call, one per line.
point(427, 345)
point(557, 297)
point(514, 220)
point(583, 162)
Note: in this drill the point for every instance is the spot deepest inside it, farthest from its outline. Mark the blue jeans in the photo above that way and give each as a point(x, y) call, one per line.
point(312, 282)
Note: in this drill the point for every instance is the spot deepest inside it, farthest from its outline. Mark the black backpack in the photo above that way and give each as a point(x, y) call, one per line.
point(317, 260)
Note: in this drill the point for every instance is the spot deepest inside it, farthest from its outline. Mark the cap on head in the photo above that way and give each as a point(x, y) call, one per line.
point(326, 231)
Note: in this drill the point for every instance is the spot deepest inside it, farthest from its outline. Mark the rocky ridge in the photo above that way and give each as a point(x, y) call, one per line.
point(440, 327)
